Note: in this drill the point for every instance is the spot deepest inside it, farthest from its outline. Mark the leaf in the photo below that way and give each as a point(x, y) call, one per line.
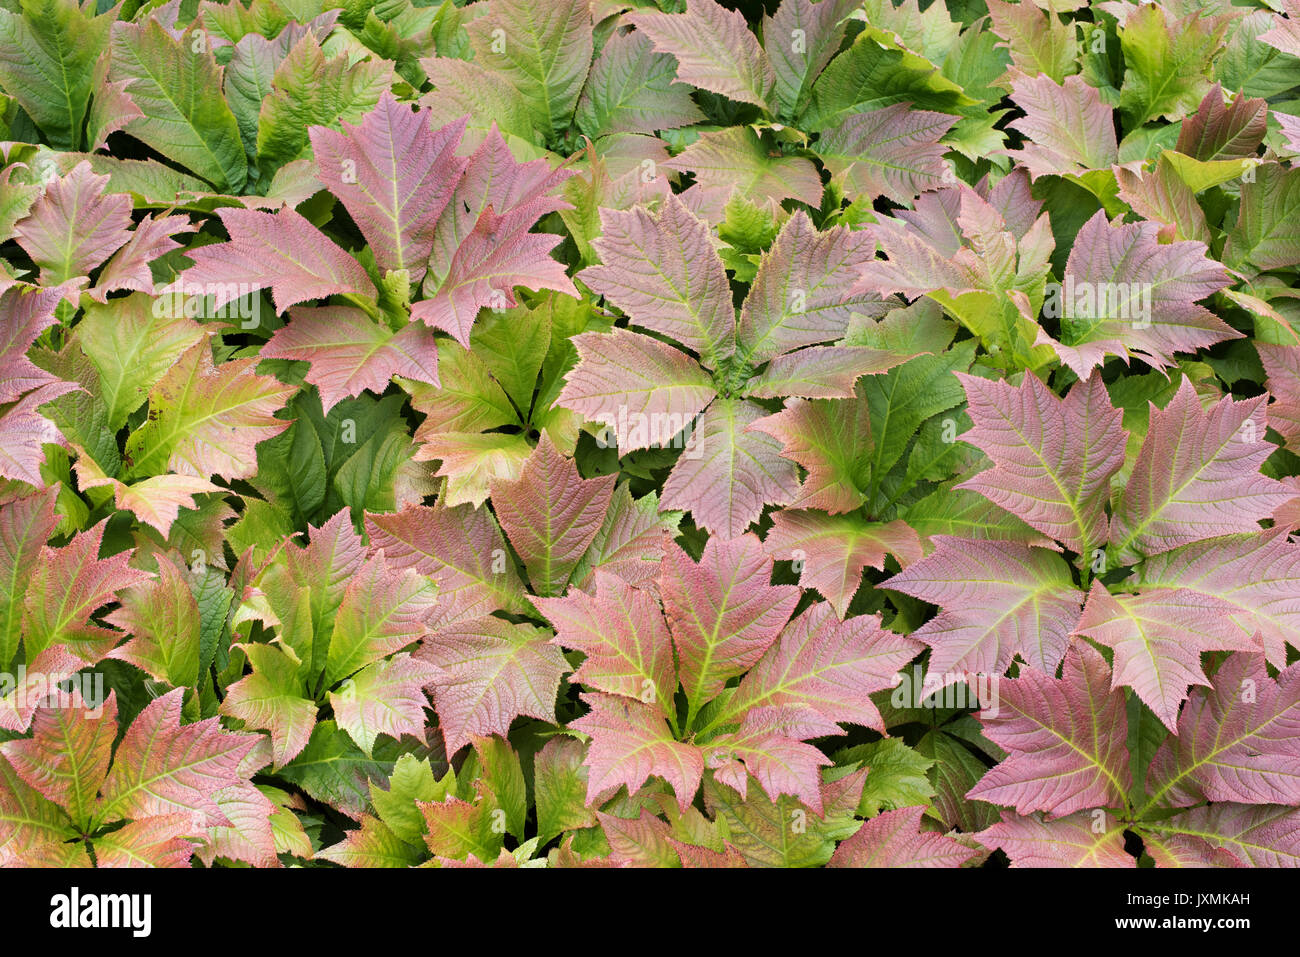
point(642, 389)
point(1158, 638)
point(1282, 366)
point(1234, 743)
point(1067, 128)
point(714, 50)
point(1255, 573)
point(333, 769)
point(1219, 131)
point(999, 599)
point(382, 611)
point(1065, 739)
point(733, 162)
point(632, 89)
point(1053, 458)
point(273, 698)
point(663, 272)
point(183, 114)
point(34, 828)
point(728, 473)
point(893, 151)
point(1264, 235)
point(782, 833)
point(395, 176)
point(831, 551)
point(1258, 836)
point(157, 841)
point(1127, 294)
point(25, 525)
point(495, 672)
point(48, 49)
point(1196, 476)
point(162, 616)
point(622, 632)
point(206, 420)
point(386, 697)
point(73, 227)
point(827, 666)
point(1167, 62)
point(65, 589)
point(1071, 841)
point(551, 514)
point(894, 839)
point(630, 741)
point(349, 352)
point(163, 767)
point(67, 757)
point(723, 612)
point(798, 297)
point(461, 549)
point(133, 343)
point(281, 250)
point(560, 784)
point(544, 50)
point(630, 543)
point(796, 65)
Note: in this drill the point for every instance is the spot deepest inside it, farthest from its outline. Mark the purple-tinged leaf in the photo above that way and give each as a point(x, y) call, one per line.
point(892, 152)
point(1073, 841)
point(1282, 366)
point(1196, 476)
point(73, 227)
point(1158, 638)
point(494, 672)
point(1068, 129)
point(831, 551)
point(630, 741)
point(1238, 742)
point(998, 599)
point(551, 514)
point(349, 352)
point(895, 839)
point(1064, 738)
point(715, 50)
point(728, 472)
point(1053, 458)
point(281, 250)
point(395, 175)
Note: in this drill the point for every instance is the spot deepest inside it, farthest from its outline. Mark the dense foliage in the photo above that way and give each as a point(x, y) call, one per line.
point(604, 432)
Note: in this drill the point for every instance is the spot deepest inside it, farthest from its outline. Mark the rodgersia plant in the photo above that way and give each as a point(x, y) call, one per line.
point(572, 434)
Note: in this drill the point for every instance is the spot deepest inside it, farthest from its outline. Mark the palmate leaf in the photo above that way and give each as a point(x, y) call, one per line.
point(386, 697)
point(894, 839)
point(1067, 127)
point(1257, 574)
point(1124, 293)
point(714, 49)
point(729, 472)
point(1053, 458)
point(1073, 841)
point(350, 352)
point(551, 514)
point(663, 272)
point(73, 227)
point(999, 599)
point(831, 551)
point(1158, 638)
point(274, 699)
point(162, 617)
point(461, 549)
point(632, 89)
point(1065, 739)
point(206, 420)
point(1167, 61)
point(1237, 741)
point(622, 632)
point(395, 175)
point(283, 251)
point(1196, 476)
point(183, 114)
point(893, 152)
point(493, 672)
point(734, 163)
point(1253, 835)
point(543, 49)
point(48, 49)
point(722, 612)
point(1219, 130)
point(65, 589)
point(630, 741)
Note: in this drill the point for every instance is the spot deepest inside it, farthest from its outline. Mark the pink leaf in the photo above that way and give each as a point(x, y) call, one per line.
point(894, 839)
